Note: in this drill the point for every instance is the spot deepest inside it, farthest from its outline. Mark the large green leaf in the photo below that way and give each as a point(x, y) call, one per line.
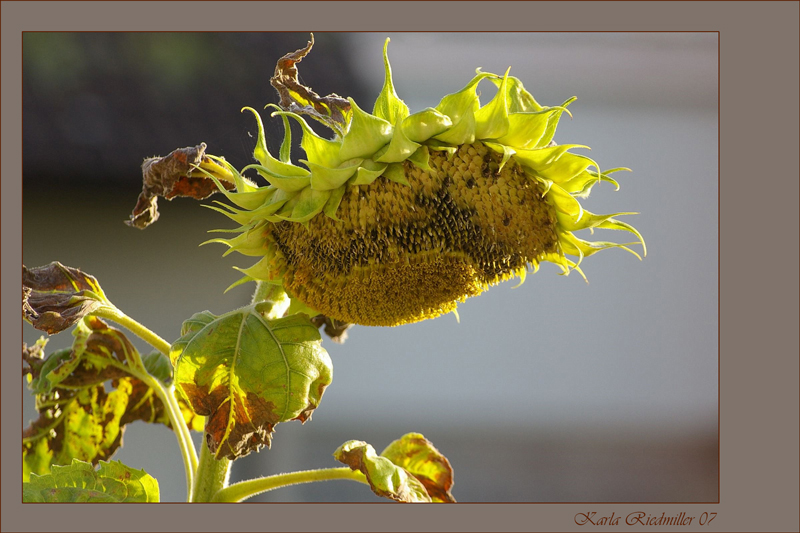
point(80, 482)
point(247, 373)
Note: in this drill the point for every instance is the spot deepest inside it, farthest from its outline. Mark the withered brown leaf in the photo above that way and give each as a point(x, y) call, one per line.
point(175, 175)
point(331, 110)
point(55, 296)
point(334, 329)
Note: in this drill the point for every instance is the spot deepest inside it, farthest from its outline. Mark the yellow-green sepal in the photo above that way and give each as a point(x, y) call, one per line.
point(220, 170)
point(319, 150)
point(491, 120)
point(366, 134)
point(461, 108)
point(398, 149)
point(249, 242)
point(325, 179)
point(250, 196)
point(581, 185)
point(305, 205)
point(297, 306)
point(542, 158)
point(507, 152)
point(332, 205)
point(389, 106)
point(463, 102)
point(283, 182)
point(519, 100)
point(396, 172)
point(368, 172)
point(525, 129)
point(421, 157)
point(425, 124)
point(552, 122)
point(566, 167)
point(261, 153)
point(261, 271)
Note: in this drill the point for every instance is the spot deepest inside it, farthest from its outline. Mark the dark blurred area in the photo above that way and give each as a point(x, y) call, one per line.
point(96, 104)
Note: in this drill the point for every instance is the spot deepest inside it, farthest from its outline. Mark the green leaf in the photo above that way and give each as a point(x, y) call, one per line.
point(55, 297)
point(384, 477)
point(81, 424)
point(247, 374)
point(114, 482)
point(419, 457)
point(157, 365)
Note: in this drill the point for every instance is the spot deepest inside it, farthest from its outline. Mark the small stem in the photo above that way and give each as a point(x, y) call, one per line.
point(188, 453)
point(246, 489)
point(166, 394)
point(212, 475)
point(269, 292)
point(112, 313)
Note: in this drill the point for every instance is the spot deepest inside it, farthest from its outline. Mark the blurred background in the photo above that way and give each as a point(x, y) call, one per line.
point(556, 391)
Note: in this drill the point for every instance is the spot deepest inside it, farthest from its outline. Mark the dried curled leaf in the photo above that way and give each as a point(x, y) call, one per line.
point(247, 374)
point(114, 482)
point(174, 175)
point(419, 457)
point(384, 477)
point(331, 110)
point(55, 297)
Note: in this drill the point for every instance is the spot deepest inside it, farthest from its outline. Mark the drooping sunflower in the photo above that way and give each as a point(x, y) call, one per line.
point(401, 216)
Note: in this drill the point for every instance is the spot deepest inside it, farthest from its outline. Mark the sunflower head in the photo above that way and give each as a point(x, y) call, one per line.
point(400, 216)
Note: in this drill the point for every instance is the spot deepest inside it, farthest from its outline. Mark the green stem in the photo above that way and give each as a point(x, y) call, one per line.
point(270, 292)
point(112, 313)
point(246, 489)
point(166, 394)
point(188, 453)
point(212, 475)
